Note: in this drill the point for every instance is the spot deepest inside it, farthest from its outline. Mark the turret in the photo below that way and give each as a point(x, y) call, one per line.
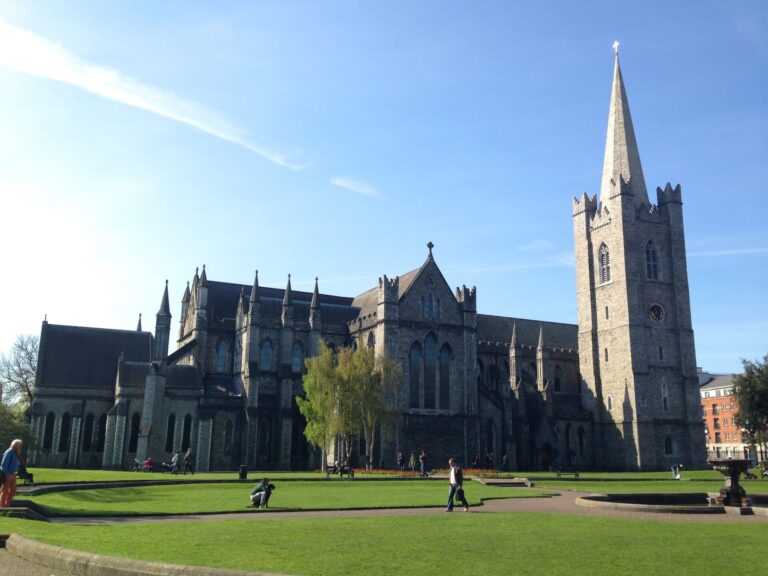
point(315, 322)
point(514, 373)
point(287, 312)
point(542, 367)
point(184, 310)
point(138, 326)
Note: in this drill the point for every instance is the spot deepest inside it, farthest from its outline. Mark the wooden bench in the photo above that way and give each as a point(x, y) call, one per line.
point(573, 473)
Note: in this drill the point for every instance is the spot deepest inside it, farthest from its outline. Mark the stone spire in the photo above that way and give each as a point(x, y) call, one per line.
point(187, 295)
point(288, 297)
point(255, 289)
point(315, 296)
point(203, 277)
point(513, 343)
point(165, 309)
point(622, 158)
point(138, 326)
point(314, 309)
point(541, 337)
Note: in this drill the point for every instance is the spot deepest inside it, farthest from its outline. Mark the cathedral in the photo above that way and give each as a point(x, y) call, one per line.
point(618, 391)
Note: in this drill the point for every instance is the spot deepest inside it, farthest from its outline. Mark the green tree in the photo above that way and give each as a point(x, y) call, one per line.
point(751, 392)
point(319, 404)
point(13, 425)
point(18, 371)
point(370, 382)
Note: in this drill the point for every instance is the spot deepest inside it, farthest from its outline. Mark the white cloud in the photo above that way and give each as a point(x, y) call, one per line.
point(355, 186)
point(25, 52)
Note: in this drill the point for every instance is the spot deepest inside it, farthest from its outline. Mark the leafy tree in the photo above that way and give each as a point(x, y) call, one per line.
point(18, 371)
point(751, 392)
point(321, 392)
point(13, 425)
point(347, 396)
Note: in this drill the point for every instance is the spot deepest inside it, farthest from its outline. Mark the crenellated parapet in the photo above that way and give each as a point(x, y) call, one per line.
point(467, 297)
point(585, 205)
point(669, 195)
point(389, 290)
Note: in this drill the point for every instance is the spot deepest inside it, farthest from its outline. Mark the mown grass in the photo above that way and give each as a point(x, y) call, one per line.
point(295, 495)
point(488, 544)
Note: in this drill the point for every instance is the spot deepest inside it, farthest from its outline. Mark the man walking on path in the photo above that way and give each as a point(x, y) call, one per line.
point(456, 480)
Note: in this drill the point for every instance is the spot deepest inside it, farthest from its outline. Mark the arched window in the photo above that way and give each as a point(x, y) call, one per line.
point(605, 354)
point(265, 357)
point(605, 264)
point(170, 432)
point(50, 420)
point(427, 306)
point(430, 359)
point(610, 403)
point(229, 434)
point(479, 372)
point(607, 314)
point(558, 378)
point(669, 446)
point(533, 370)
point(445, 377)
point(297, 358)
point(490, 440)
point(66, 430)
point(87, 433)
point(493, 377)
point(133, 439)
point(651, 261)
point(664, 396)
point(186, 434)
point(414, 373)
point(371, 340)
point(580, 433)
point(222, 356)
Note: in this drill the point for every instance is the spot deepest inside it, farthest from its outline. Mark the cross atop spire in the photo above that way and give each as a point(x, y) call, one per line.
point(616, 46)
point(622, 158)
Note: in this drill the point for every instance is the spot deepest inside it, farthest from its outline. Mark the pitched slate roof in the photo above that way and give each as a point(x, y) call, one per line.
point(223, 298)
point(82, 357)
point(499, 329)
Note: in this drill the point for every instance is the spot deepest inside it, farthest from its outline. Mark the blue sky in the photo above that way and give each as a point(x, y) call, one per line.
point(335, 139)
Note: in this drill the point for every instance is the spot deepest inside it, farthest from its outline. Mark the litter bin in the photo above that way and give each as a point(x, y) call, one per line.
point(243, 472)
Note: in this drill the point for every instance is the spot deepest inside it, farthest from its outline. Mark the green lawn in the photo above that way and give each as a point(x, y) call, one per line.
point(487, 544)
point(64, 475)
point(293, 495)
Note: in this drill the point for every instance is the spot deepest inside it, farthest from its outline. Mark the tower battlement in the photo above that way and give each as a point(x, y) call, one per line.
point(669, 195)
point(467, 297)
point(584, 204)
point(389, 289)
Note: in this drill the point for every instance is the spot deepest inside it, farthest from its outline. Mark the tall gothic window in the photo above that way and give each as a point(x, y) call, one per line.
point(414, 373)
point(479, 372)
point(605, 264)
point(87, 433)
point(101, 433)
point(170, 433)
point(229, 435)
point(265, 357)
point(371, 340)
point(50, 420)
point(445, 377)
point(222, 356)
point(558, 378)
point(66, 430)
point(651, 261)
point(133, 440)
point(186, 434)
point(297, 358)
point(664, 396)
point(430, 358)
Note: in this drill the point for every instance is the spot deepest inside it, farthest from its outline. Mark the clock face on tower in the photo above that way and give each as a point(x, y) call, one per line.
point(656, 313)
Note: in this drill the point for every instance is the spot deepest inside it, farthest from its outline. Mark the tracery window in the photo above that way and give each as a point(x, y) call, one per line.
point(297, 358)
point(651, 261)
point(88, 432)
point(133, 439)
point(605, 264)
point(186, 434)
point(222, 356)
point(50, 420)
point(430, 357)
point(170, 433)
point(558, 378)
point(265, 357)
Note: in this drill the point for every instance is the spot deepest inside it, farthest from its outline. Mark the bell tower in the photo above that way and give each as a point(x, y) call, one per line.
point(636, 347)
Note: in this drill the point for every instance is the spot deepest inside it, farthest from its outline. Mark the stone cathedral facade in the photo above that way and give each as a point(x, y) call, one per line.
point(618, 391)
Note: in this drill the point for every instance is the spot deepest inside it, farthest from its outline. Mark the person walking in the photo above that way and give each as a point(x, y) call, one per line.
point(412, 463)
point(188, 464)
point(423, 463)
point(9, 466)
point(456, 489)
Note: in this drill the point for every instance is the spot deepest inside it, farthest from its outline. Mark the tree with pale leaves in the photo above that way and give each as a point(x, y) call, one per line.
point(18, 371)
